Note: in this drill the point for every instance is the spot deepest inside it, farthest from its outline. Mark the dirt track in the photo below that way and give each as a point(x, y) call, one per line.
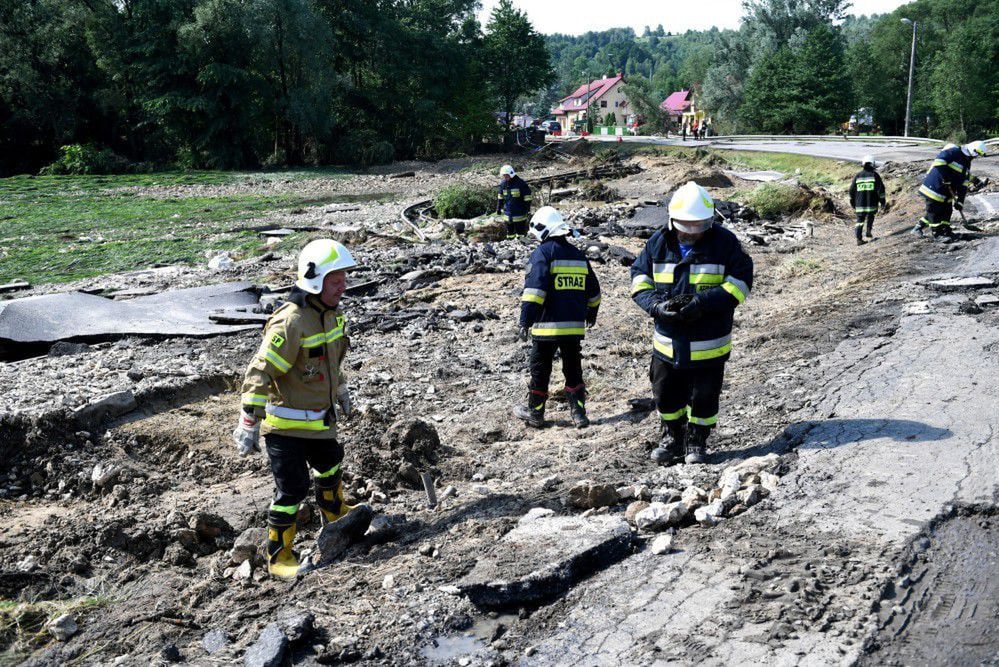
point(791, 579)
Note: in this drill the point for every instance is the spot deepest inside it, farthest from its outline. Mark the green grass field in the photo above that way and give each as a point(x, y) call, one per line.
point(63, 228)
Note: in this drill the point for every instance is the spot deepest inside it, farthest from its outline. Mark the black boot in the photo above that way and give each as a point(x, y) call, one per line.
point(672, 442)
point(918, 229)
point(577, 406)
point(697, 443)
point(870, 230)
point(860, 234)
point(534, 412)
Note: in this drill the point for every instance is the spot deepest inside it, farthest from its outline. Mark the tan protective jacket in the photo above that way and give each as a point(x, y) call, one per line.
point(293, 380)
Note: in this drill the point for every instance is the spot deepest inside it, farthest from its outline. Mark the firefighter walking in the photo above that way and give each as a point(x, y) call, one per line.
point(945, 186)
point(291, 387)
point(513, 200)
point(560, 300)
point(689, 278)
point(867, 192)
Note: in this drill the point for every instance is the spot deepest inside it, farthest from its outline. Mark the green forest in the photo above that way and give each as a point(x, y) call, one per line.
point(118, 85)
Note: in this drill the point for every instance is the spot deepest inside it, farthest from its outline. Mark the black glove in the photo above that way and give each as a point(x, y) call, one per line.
point(522, 334)
point(958, 206)
point(663, 315)
point(691, 312)
point(591, 321)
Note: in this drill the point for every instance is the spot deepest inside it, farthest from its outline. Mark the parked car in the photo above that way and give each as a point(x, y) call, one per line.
point(552, 127)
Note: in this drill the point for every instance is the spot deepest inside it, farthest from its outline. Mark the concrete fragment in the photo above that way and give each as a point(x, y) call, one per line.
point(659, 516)
point(751, 466)
point(14, 286)
point(106, 407)
point(104, 473)
point(534, 514)
point(987, 300)
point(587, 495)
point(955, 284)
point(268, 650)
point(335, 538)
point(215, 641)
point(662, 544)
point(244, 572)
point(63, 627)
point(542, 559)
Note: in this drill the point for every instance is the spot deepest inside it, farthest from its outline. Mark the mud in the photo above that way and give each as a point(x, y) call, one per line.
point(114, 513)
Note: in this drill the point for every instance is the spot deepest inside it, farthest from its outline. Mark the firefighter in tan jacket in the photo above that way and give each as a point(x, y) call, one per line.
point(291, 387)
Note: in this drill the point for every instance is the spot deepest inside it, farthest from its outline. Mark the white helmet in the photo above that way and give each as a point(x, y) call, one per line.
point(547, 222)
point(974, 149)
point(691, 209)
point(507, 170)
point(868, 160)
point(319, 258)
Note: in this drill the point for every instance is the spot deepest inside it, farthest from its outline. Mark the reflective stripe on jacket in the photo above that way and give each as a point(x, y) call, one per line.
point(717, 270)
point(561, 291)
point(293, 380)
point(867, 191)
point(513, 198)
point(948, 177)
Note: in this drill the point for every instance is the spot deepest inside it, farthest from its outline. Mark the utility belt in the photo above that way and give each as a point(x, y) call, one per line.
point(285, 418)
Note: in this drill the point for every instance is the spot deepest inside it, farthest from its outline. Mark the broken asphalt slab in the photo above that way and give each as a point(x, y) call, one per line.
point(86, 317)
point(544, 557)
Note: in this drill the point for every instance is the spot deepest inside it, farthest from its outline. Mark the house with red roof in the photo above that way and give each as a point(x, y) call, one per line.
point(599, 98)
point(682, 108)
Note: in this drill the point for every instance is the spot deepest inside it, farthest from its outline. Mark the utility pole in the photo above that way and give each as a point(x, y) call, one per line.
point(912, 68)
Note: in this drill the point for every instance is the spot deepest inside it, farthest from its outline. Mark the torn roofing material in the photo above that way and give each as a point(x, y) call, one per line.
point(81, 317)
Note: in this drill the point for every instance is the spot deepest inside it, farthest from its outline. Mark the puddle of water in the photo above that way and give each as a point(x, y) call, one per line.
point(447, 649)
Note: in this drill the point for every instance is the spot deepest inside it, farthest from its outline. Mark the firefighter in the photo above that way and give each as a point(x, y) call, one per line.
point(867, 191)
point(689, 278)
point(560, 300)
point(945, 186)
point(291, 386)
point(513, 199)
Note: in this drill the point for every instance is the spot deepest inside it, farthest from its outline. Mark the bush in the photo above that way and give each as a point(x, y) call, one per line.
point(773, 199)
point(380, 152)
point(80, 159)
point(464, 201)
point(610, 120)
point(363, 150)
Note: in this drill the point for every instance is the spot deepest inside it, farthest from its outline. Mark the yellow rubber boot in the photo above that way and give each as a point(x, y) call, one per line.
point(282, 562)
point(329, 497)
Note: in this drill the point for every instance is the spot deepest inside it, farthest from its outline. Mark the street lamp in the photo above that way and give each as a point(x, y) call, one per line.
point(912, 67)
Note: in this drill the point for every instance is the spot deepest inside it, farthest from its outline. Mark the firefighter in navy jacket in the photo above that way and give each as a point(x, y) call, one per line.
point(690, 277)
point(513, 199)
point(560, 299)
point(945, 185)
point(867, 192)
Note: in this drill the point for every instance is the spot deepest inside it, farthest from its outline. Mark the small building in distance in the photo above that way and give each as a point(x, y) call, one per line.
point(599, 97)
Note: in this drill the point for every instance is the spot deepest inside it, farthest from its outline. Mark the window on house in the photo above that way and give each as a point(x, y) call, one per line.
point(615, 105)
point(603, 104)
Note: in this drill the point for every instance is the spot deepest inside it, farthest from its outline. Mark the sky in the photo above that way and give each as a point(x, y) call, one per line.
point(549, 16)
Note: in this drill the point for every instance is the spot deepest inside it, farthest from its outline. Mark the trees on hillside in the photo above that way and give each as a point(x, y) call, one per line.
point(517, 60)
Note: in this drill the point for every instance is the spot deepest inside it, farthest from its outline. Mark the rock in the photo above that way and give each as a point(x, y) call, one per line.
point(534, 514)
point(177, 555)
point(710, 514)
point(409, 474)
point(104, 473)
point(246, 545)
point(215, 641)
point(186, 538)
point(63, 627)
point(751, 495)
point(987, 300)
point(65, 349)
point(296, 624)
point(209, 526)
point(587, 495)
point(751, 466)
point(659, 516)
point(769, 481)
point(550, 483)
point(220, 262)
point(171, 653)
point(268, 650)
point(388, 582)
point(633, 509)
point(663, 544)
point(551, 554)
point(244, 572)
point(633, 492)
point(335, 538)
point(693, 497)
point(106, 407)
